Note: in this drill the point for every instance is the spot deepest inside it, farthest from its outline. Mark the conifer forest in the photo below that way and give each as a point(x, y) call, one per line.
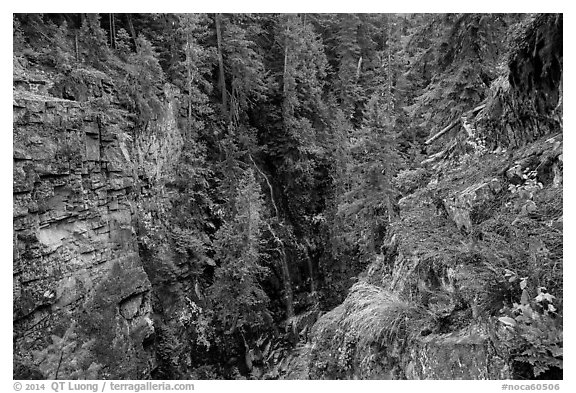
point(287, 196)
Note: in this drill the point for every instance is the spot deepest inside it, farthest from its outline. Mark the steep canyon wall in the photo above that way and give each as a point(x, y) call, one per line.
point(80, 292)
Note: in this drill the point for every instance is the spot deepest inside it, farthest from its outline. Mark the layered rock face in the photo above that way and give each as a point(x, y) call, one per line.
point(80, 292)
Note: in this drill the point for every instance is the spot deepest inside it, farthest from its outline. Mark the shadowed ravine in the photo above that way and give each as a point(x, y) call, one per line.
point(287, 196)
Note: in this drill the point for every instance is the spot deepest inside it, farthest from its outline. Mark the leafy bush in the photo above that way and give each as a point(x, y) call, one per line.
point(66, 358)
point(533, 330)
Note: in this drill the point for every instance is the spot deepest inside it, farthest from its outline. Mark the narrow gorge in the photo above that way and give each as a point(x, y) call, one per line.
point(287, 196)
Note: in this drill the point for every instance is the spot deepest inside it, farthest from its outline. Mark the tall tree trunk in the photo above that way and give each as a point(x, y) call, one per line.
point(113, 30)
point(286, 110)
point(189, 81)
point(387, 175)
point(110, 31)
point(131, 28)
point(222, 81)
point(76, 47)
point(389, 65)
point(76, 43)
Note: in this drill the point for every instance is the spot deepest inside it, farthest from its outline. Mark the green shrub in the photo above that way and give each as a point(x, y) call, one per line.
point(533, 331)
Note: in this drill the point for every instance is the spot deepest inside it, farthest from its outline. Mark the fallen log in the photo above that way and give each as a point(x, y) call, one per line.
point(454, 123)
point(444, 130)
point(441, 154)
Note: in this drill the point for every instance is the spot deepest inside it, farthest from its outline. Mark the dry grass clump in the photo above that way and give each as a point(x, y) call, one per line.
point(366, 335)
point(375, 315)
point(380, 317)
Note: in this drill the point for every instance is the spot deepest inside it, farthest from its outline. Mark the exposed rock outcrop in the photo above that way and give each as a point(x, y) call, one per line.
point(76, 262)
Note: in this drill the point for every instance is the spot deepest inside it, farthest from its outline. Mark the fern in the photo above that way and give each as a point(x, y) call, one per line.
point(66, 358)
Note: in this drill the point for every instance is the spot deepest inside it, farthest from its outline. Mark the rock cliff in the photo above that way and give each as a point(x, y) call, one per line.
point(80, 291)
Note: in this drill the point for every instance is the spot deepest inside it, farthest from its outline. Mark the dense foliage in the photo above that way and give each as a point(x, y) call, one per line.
point(299, 134)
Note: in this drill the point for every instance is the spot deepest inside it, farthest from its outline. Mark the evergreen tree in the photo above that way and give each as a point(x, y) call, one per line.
point(123, 46)
point(18, 38)
point(62, 48)
point(143, 81)
point(194, 68)
point(368, 204)
point(243, 64)
point(192, 208)
point(349, 63)
point(93, 41)
point(236, 294)
point(303, 73)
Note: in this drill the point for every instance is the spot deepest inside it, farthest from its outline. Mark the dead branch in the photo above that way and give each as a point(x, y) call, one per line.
point(441, 154)
point(454, 123)
point(442, 132)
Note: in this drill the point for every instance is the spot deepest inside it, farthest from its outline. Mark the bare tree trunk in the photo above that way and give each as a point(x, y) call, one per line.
point(359, 68)
point(59, 364)
point(113, 30)
point(131, 28)
point(217, 19)
point(286, 110)
point(389, 65)
point(110, 30)
point(189, 81)
point(76, 46)
point(390, 105)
